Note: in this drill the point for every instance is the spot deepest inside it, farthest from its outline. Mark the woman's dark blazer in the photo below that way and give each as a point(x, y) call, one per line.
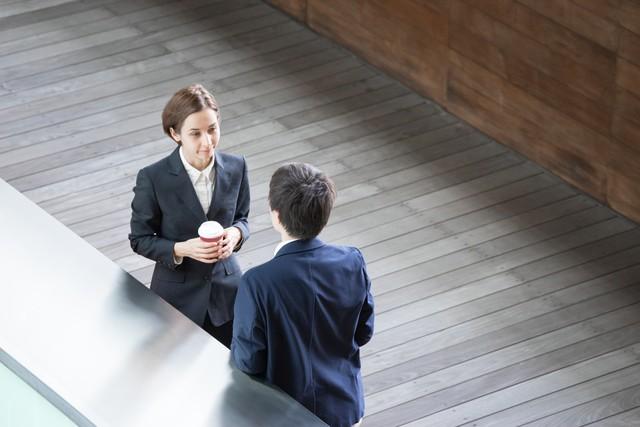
point(166, 210)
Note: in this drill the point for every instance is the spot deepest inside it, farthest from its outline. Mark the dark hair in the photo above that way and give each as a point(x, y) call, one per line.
point(303, 196)
point(185, 102)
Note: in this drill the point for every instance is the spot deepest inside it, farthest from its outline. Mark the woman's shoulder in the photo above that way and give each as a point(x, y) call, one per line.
point(233, 160)
point(229, 157)
point(160, 165)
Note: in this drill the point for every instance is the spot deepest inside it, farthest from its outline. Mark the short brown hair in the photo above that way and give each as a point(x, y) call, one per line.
point(185, 102)
point(303, 196)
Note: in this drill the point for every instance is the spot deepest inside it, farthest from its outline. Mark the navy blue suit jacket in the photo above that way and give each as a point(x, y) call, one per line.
point(300, 320)
point(166, 210)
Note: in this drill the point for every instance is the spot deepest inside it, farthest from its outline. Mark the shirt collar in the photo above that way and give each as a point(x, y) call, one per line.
point(193, 172)
point(281, 245)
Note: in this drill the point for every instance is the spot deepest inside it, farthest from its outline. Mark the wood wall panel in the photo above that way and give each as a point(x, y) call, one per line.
point(398, 44)
point(629, 47)
point(578, 19)
point(629, 15)
point(295, 8)
point(557, 80)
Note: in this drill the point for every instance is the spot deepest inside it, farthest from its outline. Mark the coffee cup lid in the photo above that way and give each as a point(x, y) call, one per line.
point(210, 228)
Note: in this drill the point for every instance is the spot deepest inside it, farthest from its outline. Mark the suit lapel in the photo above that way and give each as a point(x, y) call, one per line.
point(221, 186)
point(184, 188)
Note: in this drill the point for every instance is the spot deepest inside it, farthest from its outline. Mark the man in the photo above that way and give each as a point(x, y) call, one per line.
point(301, 318)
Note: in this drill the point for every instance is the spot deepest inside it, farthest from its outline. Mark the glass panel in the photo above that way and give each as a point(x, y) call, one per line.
point(22, 406)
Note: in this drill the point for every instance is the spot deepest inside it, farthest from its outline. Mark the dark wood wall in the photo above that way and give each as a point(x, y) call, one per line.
point(557, 80)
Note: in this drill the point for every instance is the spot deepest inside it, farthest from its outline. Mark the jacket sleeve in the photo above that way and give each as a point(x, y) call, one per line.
point(249, 343)
point(240, 219)
point(364, 330)
point(146, 218)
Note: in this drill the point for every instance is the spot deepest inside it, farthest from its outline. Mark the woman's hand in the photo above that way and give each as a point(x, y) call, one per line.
point(199, 250)
point(230, 240)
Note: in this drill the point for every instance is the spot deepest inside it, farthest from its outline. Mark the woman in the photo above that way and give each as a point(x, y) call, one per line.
point(173, 196)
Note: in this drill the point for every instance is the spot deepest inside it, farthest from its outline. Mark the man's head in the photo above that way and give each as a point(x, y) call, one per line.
point(301, 196)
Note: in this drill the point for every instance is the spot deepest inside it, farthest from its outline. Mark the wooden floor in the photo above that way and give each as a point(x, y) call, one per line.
point(504, 297)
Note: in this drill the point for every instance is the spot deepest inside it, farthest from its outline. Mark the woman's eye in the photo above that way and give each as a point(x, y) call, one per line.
point(212, 130)
point(195, 134)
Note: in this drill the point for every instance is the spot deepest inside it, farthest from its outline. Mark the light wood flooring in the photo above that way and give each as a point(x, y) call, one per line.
point(504, 297)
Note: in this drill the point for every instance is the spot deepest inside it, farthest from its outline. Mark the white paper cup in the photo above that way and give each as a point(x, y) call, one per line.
point(210, 231)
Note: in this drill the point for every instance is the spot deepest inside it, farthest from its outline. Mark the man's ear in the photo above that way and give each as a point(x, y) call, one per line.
point(174, 135)
point(275, 219)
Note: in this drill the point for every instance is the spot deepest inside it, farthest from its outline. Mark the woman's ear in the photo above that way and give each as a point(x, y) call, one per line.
point(174, 135)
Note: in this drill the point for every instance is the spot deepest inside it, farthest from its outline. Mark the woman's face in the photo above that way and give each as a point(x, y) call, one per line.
point(199, 137)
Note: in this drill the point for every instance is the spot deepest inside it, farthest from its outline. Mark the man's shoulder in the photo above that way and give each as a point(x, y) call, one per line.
point(261, 272)
point(349, 252)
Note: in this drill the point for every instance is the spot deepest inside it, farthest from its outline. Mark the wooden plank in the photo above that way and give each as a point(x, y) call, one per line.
point(624, 361)
point(363, 203)
point(606, 9)
point(508, 366)
point(449, 275)
point(25, 153)
point(136, 93)
point(629, 15)
point(579, 393)
point(361, 197)
point(44, 52)
point(370, 134)
point(472, 29)
point(130, 168)
point(582, 21)
point(559, 318)
point(103, 148)
point(124, 7)
point(102, 241)
point(480, 209)
point(44, 26)
point(623, 193)
point(28, 6)
point(143, 275)
point(627, 418)
point(84, 68)
point(295, 8)
point(79, 120)
point(530, 281)
point(181, 23)
point(207, 34)
point(89, 196)
point(199, 14)
point(571, 156)
point(432, 247)
point(383, 43)
point(264, 239)
point(69, 202)
point(250, 250)
point(629, 47)
point(595, 410)
point(445, 398)
point(72, 31)
point(551, 34)
point(53, 175)
point(627, 76)
point(116, 72)
point(511, 284)
point(454, 241)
